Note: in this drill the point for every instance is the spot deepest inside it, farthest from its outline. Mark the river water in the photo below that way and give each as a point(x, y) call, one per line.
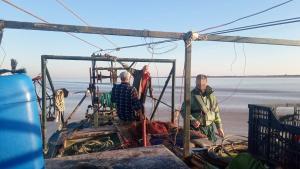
point(233, 94)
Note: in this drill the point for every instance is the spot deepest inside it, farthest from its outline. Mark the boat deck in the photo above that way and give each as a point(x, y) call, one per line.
point(154, 157)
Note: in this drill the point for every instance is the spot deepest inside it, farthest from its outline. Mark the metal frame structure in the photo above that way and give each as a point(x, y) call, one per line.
point(46, 75)
point(186, 37)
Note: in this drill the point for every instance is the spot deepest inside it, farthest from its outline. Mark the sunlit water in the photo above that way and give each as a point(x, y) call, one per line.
point(234, 95)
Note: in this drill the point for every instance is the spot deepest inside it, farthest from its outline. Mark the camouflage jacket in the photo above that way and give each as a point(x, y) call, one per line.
point(205, 115)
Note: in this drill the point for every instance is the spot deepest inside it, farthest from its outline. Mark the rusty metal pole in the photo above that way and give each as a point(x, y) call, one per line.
point(111, 72)
point(173, 92)
point(93, 92)
point(50, 80)
point(51, 85)
point(161, 95)
point(75, 109)
point(44, 117)
point(187, 93)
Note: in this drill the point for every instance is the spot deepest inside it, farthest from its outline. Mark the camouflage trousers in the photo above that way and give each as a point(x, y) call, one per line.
point(209, 131)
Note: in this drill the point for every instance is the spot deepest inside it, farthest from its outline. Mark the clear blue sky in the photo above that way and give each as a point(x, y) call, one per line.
point(212, 58)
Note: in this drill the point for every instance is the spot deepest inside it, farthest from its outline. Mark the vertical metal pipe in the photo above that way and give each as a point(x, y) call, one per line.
point(187, 94)
point(90, 71)
point(51, 85)
point(90, 85)
point(111, 72)
point(50, 80)
point(76, 108)
point(93, 82)
point(173, 92)
point(44, 117)
point(161, 95)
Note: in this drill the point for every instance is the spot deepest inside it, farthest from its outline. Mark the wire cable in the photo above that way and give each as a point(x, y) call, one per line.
point(157, 42)
point(153, 49)
point(149, 48)
point(260, 25)
point(272, 23)
point(235, 58)
point(248, 16)
point(243, 28)
point(41, 19)
point(136, 45)
point(60, 2)
point(241, 79)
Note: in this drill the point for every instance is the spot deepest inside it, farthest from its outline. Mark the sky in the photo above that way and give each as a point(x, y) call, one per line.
point(211, 58)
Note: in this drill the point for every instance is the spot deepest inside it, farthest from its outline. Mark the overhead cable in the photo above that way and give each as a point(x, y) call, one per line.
point(43, 20)
point(260, 25)
point(248, 16)
point(60, 2)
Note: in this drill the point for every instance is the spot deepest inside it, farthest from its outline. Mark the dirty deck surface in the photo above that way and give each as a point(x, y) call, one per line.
point(154, 157)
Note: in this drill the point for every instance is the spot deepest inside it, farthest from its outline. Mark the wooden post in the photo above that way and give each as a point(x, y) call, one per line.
point(89, 29)
point(187, 93)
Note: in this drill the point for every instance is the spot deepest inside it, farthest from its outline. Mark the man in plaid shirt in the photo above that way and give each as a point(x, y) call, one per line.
point(129, 107)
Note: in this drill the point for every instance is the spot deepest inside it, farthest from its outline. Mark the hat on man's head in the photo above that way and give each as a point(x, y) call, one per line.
point(201, 76)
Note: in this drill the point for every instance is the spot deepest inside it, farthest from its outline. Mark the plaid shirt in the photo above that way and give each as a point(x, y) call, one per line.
point(127, 102)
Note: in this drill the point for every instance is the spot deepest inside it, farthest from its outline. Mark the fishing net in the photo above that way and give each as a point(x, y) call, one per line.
point(91, 145)
point(230, 146)
point(221, 154)
point(157, 132)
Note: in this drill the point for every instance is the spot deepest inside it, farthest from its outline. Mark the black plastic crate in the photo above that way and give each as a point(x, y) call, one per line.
point(273, 138)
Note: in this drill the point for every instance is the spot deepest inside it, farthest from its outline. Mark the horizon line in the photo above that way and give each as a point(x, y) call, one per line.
point(237, 76)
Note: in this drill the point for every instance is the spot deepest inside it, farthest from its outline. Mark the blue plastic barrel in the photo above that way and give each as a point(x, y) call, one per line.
point(20, 130)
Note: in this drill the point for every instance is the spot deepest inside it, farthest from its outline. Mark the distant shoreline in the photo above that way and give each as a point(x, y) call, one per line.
point(248, 76)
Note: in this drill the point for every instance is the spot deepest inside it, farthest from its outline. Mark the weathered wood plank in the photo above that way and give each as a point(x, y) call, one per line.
point(141, 33)
point(92, 132)
point(89, 29)
point(253, 40)
point(154, 157)
point(187, 96)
